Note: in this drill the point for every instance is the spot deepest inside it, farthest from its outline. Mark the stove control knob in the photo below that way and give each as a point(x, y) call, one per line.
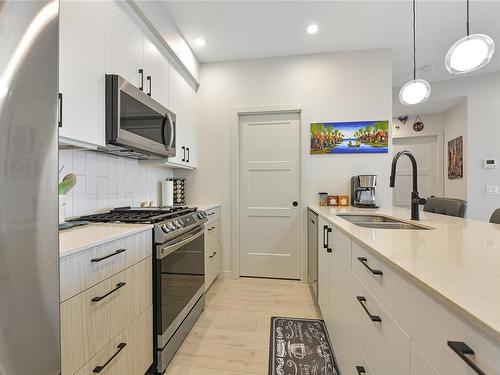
point(171, 225)
point(181, 222)
point(165, 228)
point(177, 224)
point(201, 215)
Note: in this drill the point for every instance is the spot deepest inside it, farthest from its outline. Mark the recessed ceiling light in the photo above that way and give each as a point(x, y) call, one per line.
point(312, 29)
point(200, 42)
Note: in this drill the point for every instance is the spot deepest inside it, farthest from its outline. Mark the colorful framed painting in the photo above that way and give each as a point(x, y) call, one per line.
point(456, 158)
point(358, 137)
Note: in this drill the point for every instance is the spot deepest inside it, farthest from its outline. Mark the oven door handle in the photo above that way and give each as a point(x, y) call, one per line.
point(166, 250)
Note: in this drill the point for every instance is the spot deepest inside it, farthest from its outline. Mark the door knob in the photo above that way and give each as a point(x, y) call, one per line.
point(295, 203)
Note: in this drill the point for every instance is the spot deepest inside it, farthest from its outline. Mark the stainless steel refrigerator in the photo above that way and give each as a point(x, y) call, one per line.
point(29, 254)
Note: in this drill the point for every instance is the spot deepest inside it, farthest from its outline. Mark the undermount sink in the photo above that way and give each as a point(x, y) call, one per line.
point(380, 222)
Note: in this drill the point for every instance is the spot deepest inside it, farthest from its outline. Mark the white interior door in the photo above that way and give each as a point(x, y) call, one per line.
point(429, 159)
point(269, 184)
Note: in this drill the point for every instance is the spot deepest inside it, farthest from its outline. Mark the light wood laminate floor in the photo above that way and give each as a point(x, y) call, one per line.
point(231, 337)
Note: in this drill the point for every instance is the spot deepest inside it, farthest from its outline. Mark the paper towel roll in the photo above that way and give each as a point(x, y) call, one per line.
point(167, 193)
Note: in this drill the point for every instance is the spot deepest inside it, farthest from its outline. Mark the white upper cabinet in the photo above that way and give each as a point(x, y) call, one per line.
point(82, 59)
point(124, 44)
point(156, 67)
point(107, 37)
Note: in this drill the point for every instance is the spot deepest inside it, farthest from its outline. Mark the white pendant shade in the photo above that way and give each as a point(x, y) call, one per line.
point(470, 53)
point(414, 92)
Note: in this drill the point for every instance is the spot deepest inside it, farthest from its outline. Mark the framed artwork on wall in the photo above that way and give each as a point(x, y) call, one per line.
point(358, 137)
point(456, 158)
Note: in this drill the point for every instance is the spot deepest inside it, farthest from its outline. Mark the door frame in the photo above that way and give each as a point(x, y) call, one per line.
point(235, 181)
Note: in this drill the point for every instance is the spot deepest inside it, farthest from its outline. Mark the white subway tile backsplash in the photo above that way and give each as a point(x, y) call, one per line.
point(105, 182)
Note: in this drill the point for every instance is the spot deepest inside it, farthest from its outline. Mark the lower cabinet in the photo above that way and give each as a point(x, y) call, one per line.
point(212, 246)
point(380, 323)
point(129, 353)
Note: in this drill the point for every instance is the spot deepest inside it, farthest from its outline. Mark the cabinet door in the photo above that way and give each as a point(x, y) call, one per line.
point(177, 95)
point(323, 268)
point(82, 59)
point(156, 66)
point(191, 158)
point(124, 43)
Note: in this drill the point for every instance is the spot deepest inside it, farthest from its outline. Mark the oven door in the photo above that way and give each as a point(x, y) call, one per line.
point(135, 120)
point(179, 280)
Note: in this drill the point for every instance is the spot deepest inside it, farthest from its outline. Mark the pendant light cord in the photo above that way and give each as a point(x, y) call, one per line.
point(468, 28)
point(414, 42)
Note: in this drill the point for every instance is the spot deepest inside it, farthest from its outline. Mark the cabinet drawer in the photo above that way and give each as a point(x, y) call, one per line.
point(433, 325)
point(212, 231)
point(348, 355)
point(383, 343)
point(419, 365)
point(92, 318)
point(213, 214)
point(129, 353)
point(388, 287)
point(86, 268)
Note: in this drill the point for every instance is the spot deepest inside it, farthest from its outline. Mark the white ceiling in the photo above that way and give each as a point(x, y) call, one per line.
point(237, 30)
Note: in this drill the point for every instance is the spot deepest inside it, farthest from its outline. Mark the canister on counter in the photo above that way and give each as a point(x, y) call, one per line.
point(343, 200)
point(323, 199)
point(333, 200)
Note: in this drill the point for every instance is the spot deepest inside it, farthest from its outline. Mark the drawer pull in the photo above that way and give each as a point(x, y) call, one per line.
point(212, 228)
point(118, 286)
point(374, 318)
point(119, 348)
point(462, 350)
point(119, 251)
point(364, 262)
point(360, 370)
point(211, 256)
point(211, 213)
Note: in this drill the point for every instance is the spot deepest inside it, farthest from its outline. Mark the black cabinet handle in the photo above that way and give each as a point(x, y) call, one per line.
point(312, 221)
point(364, 261)
point(328, 249)
point(183, 153)
point(141, 87)
point(119, 251)
point(212, 228)
point(360, 370)
point(325, 243)
point(118, 286)
point(187, 158)
point(463, 350)
point(211, 213)
point(374, 318)
point(148, 78)
point(60, 97)
point(211, 256)
point(119, 348)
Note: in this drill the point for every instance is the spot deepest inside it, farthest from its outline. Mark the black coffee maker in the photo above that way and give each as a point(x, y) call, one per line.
point(363, 191)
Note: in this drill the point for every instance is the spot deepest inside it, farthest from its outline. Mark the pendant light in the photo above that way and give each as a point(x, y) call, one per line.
point(417, 90)
point(469, 53)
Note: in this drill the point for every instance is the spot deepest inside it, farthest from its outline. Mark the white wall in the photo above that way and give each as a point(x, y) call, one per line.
point(445, 126)
point(330, 87)
point(105, 182)
point(483, 133)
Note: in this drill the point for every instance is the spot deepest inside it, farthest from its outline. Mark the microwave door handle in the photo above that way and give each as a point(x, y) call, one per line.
point(172, 131)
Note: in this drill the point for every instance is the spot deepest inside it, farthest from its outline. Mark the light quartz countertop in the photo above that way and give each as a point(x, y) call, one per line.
point(205, 206)
point(458, 262)
point(81, 238)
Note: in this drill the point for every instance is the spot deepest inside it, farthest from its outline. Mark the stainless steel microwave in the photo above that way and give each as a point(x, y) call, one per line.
point(137, 126)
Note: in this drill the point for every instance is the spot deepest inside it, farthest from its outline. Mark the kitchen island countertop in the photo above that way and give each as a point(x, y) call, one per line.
point(458, 261)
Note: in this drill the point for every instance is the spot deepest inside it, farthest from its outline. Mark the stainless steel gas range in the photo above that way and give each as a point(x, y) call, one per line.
point(178, 271)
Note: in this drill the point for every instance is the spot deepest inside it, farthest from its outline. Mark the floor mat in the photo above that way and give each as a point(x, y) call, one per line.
point(300, 347)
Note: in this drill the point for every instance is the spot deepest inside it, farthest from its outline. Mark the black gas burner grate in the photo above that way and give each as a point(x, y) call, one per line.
point(143, 215)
